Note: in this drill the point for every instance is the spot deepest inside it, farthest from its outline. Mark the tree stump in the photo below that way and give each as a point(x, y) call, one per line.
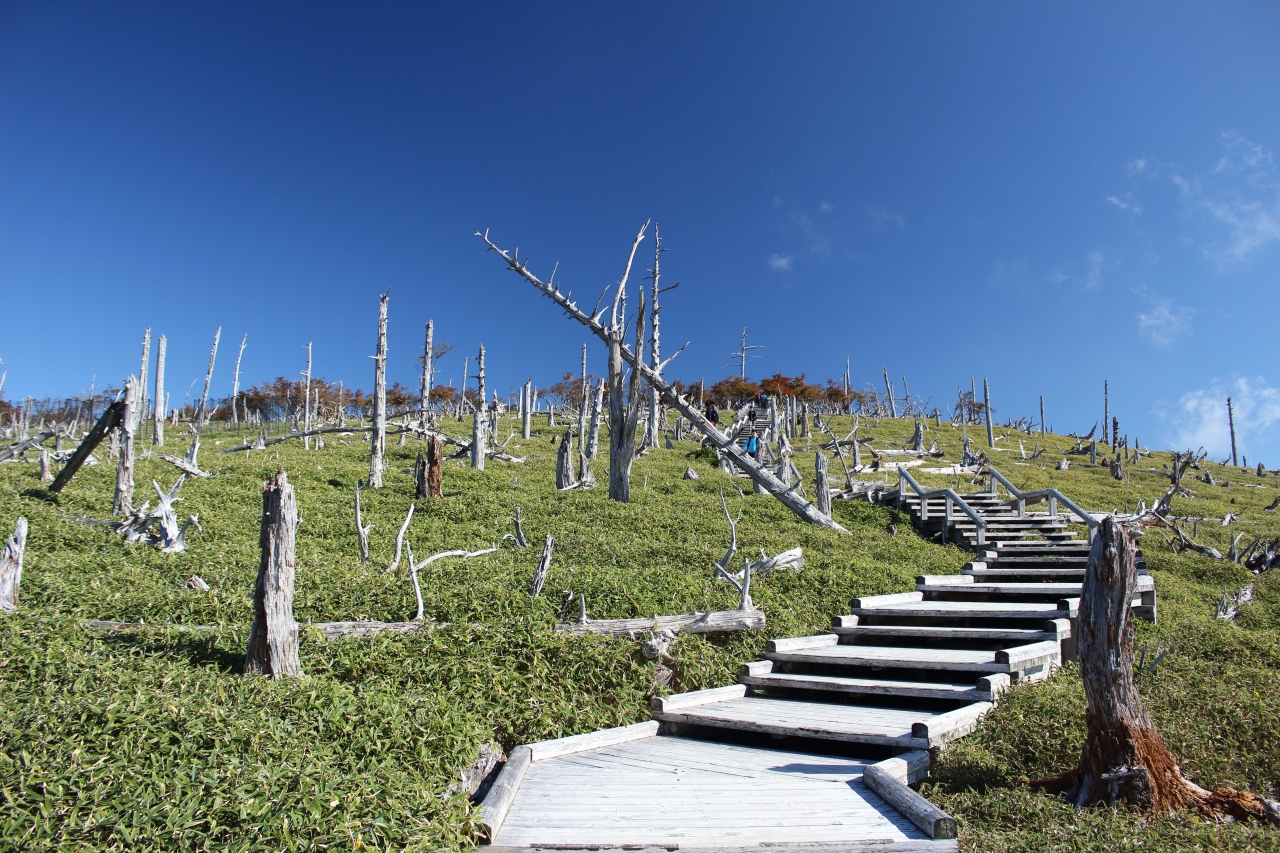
point(420, 478)
point(123, 502)
point(821, 489)
point(273, 640)
point(11, 566)
point(1124, 758)
point(435, 465)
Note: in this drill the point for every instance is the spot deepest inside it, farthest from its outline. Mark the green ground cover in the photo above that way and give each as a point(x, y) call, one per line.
point(152, 740)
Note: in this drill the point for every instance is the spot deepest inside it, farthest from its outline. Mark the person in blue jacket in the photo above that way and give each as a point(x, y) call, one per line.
point(752, 444)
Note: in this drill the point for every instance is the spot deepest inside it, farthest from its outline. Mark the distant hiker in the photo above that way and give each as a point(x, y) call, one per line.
point(752, 444)
point(763, 400)
point(713, 414)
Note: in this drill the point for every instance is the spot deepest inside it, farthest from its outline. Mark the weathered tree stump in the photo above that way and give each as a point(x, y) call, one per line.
point(435, 466)
point(821, 488)
point(379, 443)
point(273, 640)
point(123, 502)
point(11, 566)
point(1124, 758)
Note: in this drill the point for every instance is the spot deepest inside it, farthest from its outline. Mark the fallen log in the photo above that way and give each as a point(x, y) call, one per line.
point(23, 446)
point(684, 623)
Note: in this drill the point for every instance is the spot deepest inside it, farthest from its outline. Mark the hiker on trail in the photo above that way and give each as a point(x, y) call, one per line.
point(763, 400)
point(752, 444)
point(713, 414)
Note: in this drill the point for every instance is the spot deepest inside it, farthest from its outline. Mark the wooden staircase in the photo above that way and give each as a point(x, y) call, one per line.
point(897, 675)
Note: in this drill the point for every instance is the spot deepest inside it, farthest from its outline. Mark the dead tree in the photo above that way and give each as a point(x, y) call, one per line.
point(378, 446)
point(306, 401)
point(544, 566)
point(208, 378)
point(142, 375)
point(526, 410)
point(109, 421)
point(11, 566)
point(273, 640)
point(564, 463)
point(597, 407)
point(724, 443)
point(404, 528)
point(235, 382)
point(1124, 758)
point(123, 502)
point(158, 409)
point(479, 427)
point(362, 531)
point(822, 491)
point(420, 478)
point(46, 473)
point(655, 343)
point(428, 368)
point(435, 465)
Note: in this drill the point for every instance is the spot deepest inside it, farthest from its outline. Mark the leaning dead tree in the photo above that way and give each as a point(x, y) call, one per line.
point(203, 414)
point(109, 420)
point(123, 502)
point(379, 443)
point(1124, 758)
point(611, 335)
point(11, 567)
point(273, 640)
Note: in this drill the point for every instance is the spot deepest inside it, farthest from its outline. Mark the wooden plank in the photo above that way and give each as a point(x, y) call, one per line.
point(962, 660)
point(932, 820)
point(493, 811)
point(1032, 654)
point(662, 704)
point(870, 686)
point(942, 580)
point(941, 728)
point(973, 610)
point(908, 768)
point(924, 845)
point(545, 749)
point(793, 643)
point(808, 719)
point(923, 632)
point(884, 600)
point(755, 668)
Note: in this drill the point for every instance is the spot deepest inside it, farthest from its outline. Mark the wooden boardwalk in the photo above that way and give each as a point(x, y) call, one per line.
point(816, 746)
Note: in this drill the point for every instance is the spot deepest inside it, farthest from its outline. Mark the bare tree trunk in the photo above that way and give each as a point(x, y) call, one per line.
point(427, 369)
point(624, 410)
point(208, 378)
point(722, 442)
point(123, 502)
point(479, 427)
point(821, 487)
point(160, 409)
point(986, 406)
point(378, 446)
point(564, 463)
point(142, 376)
point(1124, 757)
point(306, 402)
point(46, 473)
point(597, 408)
point(435, 464)
point(273, 640)
point(582, 401)
point(11, 566)
point(235, 382)
point(420, 477)
point(526, 410)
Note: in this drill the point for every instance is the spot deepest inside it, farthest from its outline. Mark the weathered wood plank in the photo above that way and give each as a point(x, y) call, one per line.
point(493, 811)
point(932, 820)
point(542, 750)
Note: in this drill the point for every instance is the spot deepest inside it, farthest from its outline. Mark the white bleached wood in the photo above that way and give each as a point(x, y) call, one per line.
point(11, 566)
point(498, 801)
point(665, 704)
point(235, 382)
point(428, 370)
point(142, 376)
point(932, 820)
point(122, 504)
point(404, 528)
point(544, 566)
point(273, 639)
point(543, 750)
point(378, 446)
point(685, 623)
point(202, 414)
point(908, 768)
point(362, 531)
point(791, 644)
point(479, 426)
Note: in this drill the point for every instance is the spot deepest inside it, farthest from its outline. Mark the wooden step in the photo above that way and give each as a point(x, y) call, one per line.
point(1062, 590)
point(969, 610)
point(849, 627)
point(1029, 656)
point(760, 674)
point(898, 727)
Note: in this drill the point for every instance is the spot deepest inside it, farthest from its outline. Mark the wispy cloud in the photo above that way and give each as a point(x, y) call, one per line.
point(1200, 419)
point(1242, 193)
point(780, 263)
point(1095, 263)
point(882, 216)
point(1126, 202)
point(1058, 276)
point(1137, 167)
point(1165, 322)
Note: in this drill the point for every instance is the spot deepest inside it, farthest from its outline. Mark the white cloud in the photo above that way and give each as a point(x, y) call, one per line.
point(826, 207)
point(1242, 193)
point(882, 216)
point(1165, 322)
point(1201, 416)
point(1057, 276)
point(1093, 273)
point(1137, 167)
point(780, 263)
point(1126, 202)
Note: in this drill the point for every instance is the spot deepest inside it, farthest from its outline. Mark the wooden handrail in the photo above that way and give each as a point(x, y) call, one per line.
point(950, 498)
point(1053, 496)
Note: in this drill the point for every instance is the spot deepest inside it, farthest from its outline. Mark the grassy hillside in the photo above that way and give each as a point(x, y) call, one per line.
point(153, 740)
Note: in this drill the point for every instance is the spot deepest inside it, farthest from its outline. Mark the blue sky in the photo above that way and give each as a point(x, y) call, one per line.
point(1048, 195)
